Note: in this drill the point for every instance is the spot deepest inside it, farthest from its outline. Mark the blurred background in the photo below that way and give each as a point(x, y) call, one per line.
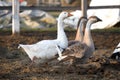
point(35, 18)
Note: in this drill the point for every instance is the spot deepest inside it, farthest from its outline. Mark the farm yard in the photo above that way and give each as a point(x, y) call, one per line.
point(36, 25)
point(14, 63)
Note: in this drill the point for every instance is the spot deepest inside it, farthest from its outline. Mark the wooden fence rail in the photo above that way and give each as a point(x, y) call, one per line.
point(52, 8)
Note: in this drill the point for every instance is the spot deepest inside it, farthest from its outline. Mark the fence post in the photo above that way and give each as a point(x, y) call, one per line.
point(15, 17)
point(84, 11)
point(38, 2)
point(84, 7)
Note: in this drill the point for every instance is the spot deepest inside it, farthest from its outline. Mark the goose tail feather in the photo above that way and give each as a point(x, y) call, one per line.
point(22, 46)
point(19, 46)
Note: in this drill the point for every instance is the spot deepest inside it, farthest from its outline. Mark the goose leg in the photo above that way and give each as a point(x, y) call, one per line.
point(34, 58)
point(60, 54)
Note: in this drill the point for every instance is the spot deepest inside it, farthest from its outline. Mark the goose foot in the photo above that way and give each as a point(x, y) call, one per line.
point(61, 57)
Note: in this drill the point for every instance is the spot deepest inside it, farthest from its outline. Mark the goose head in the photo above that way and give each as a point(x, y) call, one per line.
point(64, 15)
point(82, 20)
point(94, 19)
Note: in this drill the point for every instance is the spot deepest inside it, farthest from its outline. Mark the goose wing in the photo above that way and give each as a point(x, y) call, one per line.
point(75, 51)
point(40, 46)
point(42, 49)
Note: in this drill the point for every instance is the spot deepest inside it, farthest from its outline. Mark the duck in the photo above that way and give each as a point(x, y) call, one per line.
point(45, 50)
point(84, 50)
point(116, 53)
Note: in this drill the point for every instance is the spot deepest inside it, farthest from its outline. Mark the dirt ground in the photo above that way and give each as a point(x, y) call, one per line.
point(14, 63)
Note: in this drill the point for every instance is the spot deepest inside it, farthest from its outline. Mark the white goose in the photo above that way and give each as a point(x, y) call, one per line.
point(84, 50)
point(116, 53)
point(47, 49)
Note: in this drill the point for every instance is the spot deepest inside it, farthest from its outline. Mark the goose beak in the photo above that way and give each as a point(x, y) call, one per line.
point(99, 19)
point(69, 15)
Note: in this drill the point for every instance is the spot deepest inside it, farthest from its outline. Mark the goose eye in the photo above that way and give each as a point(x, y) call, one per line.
point(64, 13)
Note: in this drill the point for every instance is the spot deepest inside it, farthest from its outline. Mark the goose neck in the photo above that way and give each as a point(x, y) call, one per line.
point(61, 36)
point(79, 34)
point(87, 37)
point(60, 30)
point(88, 25)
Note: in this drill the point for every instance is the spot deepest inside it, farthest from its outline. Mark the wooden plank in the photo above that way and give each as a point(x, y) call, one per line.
point(104, 7)
point(49, 8)
point(53, 8)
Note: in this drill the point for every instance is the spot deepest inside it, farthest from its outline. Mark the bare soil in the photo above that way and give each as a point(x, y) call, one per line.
point(14, 63)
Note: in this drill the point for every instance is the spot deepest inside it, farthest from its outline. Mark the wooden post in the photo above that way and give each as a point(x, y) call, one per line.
point(38, 2)
point(84, 11)
point(15, 17)
point(84, 7)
